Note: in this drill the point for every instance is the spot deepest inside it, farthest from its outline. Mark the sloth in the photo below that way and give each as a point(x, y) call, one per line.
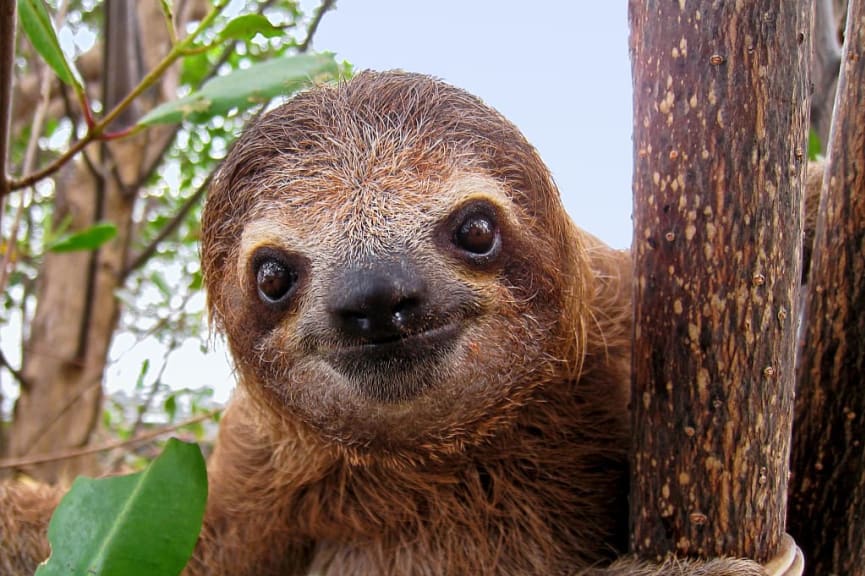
point(433, 360)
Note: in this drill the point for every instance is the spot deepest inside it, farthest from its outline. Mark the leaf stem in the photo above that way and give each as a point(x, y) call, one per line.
point(96, 130)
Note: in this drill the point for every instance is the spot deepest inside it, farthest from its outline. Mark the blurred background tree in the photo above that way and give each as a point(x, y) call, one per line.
point(111, 143)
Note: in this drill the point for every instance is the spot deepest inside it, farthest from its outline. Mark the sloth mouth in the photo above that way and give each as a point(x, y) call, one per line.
point(398, 367)
point(415, 344)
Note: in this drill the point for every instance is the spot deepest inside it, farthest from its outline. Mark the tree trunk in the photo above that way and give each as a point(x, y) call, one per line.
point(77, 311)
point(721, 97)
point(827, 488)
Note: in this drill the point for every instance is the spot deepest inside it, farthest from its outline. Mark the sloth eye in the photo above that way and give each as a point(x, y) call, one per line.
point(275, 277)
point(478, 234)
point(474, 234)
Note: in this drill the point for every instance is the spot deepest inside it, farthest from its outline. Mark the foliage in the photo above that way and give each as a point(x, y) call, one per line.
point(141, 524)
point(88, 239)
point(815, 147)
point(230, 61)
point(37, 24)
point(243, 89)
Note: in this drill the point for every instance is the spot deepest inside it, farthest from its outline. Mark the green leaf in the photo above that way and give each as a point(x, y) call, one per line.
point(88, 239)
point(170, 407)
point(159, 281)
point(245, 88)
point(142, 524)
point(194, 68)
point(246, 26)
point(39, 28)
point(145, 366)
point(815, 147)
point(197, 281)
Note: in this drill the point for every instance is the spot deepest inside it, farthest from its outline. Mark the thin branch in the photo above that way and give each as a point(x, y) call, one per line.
point(214, 70)
point(7, 65)
point(7, 463)
point(46, 77)
point(142, 408)
point(313, 26)
point(54, 166)
point(70, 113)
point(46, 426)
point(96, 131)
point(12, 370)
point(169, 21)
point(168, 230)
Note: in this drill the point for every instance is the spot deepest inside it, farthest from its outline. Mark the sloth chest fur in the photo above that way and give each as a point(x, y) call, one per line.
point(541, 505)
point(517, 519)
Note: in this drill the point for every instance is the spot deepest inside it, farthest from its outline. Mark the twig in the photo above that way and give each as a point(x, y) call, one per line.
point(168, 229)
point(96, 131)
point(214, 70)
point(12, 370)
point(70, 113)
point(7, 64)
point(313, 26)
point(7, 463)
point(142, 408)
point(169, 21)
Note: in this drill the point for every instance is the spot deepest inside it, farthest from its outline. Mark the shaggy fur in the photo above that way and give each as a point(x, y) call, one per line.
point(25, 509)
point(504, 455)
point(489, 436)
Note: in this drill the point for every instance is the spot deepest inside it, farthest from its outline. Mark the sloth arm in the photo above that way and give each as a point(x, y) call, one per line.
point(243, 532)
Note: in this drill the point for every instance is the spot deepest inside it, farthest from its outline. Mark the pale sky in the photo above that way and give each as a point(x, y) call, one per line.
point(558, 70)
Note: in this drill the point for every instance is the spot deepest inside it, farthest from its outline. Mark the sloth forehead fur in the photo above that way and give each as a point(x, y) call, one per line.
point(365, 183)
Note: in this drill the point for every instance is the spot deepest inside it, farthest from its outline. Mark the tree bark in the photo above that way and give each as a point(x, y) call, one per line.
point(77, 311)
point(721, 100)
point(827, 488)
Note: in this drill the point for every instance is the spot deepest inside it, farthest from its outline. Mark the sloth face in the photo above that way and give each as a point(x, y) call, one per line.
point(381, 274)
point(382, 300)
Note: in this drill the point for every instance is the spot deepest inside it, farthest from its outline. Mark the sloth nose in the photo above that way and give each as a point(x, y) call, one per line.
point(379, 302)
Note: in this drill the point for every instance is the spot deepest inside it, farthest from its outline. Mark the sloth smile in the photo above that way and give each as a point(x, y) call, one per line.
point(398, 348)
point(395, 368)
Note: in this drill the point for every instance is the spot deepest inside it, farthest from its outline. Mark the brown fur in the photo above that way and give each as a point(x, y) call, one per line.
point(25, 509)
point(505, 454)
point(507, 458)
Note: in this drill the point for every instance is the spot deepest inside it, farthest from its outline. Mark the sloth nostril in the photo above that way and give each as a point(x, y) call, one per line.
point(403, 309)
point(351, 318)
